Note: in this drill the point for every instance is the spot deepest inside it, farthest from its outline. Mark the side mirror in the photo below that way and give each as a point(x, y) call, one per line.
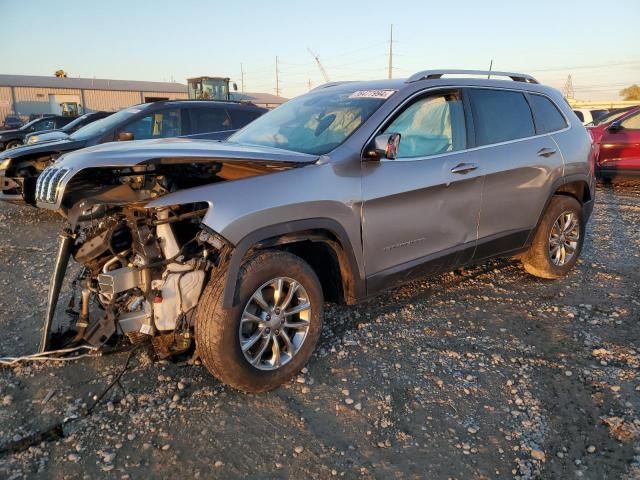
point(235, 86)
point(383, 146)
point(614, 127)
point(125, 136)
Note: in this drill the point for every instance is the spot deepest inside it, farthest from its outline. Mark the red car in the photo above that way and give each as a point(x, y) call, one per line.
point(616, 137)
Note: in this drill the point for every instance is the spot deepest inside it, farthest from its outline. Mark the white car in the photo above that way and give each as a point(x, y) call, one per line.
point(588, 115)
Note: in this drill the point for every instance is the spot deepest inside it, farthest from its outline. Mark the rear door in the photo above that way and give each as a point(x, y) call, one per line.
point(420, 212)
point(517, 159)
point(620, 149)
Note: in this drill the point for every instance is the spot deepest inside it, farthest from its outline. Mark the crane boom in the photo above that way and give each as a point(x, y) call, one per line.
point(322, 70)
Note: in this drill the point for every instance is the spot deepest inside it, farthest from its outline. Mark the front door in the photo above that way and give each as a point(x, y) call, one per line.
point(620, 149)
point(420, 211)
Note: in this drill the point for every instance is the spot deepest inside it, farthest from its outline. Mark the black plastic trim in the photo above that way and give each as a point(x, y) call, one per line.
point(288, 228)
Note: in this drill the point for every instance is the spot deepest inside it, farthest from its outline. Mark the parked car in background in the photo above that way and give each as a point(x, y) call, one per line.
point(211, 120)
point(14, 138)
point(616, 137)
point(68, 129)
point(338, 194)
point(588, 115)
point(12, 122)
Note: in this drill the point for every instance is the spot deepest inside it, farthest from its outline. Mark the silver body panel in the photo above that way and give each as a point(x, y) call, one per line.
point(395, 214)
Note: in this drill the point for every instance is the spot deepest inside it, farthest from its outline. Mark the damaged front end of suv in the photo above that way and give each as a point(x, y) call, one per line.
point(143, 266)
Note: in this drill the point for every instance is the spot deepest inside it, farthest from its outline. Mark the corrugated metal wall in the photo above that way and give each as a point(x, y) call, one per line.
point(36, 100)
point(109, 100)
point(6, 102)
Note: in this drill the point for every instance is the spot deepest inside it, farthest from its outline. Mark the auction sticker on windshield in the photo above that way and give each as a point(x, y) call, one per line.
point(384, 94)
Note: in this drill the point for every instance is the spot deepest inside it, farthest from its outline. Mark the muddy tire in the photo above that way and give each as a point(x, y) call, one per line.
point(279, 301)
point(558, 240)
point(13, 144)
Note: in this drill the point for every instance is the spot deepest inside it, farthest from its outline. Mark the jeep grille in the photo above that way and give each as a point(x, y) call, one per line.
point(47, 185)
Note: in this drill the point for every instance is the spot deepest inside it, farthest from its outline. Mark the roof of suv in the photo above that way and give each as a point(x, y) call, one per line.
point(210, 103)
point(519, 81)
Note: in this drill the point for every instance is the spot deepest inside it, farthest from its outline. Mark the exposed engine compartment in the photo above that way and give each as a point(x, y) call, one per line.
point(143, 269)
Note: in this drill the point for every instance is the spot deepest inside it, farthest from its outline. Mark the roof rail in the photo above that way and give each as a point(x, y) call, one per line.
point(435, 74)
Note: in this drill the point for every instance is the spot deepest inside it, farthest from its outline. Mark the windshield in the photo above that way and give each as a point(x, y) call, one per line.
point(100, 126)
point(315, 123)
point(610, 117)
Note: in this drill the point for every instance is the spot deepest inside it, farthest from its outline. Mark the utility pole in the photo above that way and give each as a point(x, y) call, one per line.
point(277, 78)
point(309, 84)
point(241, 78)
point(490, 68)
point(391, 53)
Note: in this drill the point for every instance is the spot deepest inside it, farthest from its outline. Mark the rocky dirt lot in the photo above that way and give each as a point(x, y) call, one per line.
point(485, 372)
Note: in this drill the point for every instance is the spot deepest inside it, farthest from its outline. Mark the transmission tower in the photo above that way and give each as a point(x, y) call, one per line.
point(322, 70)
point(568, 88)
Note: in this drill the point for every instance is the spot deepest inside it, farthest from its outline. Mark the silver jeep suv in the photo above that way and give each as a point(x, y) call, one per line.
point(338, 194)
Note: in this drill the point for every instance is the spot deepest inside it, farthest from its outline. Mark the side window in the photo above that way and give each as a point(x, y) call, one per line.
point(159, 124)
point(205, 120)
point(44, 124)
point(500, 116)
point(631, 123)
point(241, 118)
point(430, 126)
point(579, 115)
point(548, 117)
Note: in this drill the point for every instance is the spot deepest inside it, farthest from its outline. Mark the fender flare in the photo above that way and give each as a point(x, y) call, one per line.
point(588, 206)
point(238, 254)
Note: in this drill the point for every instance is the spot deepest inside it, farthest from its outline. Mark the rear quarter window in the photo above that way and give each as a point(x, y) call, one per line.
point(206, 120)
point(500, 116)
point(240, 118)
point(579, 115)
point(548, 117)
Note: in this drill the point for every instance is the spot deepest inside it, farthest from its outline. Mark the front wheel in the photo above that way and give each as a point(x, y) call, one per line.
point(13, 144)
point(269, 335)
point(558, 241)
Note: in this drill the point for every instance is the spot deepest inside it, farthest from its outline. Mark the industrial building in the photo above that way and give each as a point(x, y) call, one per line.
point(27, 95)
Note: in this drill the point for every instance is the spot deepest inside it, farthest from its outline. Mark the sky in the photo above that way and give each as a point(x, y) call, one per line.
point(596, 42)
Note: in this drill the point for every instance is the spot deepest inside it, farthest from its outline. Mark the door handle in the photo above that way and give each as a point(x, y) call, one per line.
point(546, 152)
point(464, 168)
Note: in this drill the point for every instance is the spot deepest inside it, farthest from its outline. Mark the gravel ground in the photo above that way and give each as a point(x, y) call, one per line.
point(485, 372)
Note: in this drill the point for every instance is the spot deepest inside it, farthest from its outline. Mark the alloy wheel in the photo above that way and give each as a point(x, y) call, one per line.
point(563, 238)
point(274, 323)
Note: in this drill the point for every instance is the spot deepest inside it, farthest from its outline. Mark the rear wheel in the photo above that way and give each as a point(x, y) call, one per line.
point(558, 241)
point(271, 333)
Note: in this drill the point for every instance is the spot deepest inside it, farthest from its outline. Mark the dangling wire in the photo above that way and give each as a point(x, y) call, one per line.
point(47, 356)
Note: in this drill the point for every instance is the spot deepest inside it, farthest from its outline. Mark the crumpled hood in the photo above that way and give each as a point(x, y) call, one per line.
point(62, 145)
point(122, 154)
